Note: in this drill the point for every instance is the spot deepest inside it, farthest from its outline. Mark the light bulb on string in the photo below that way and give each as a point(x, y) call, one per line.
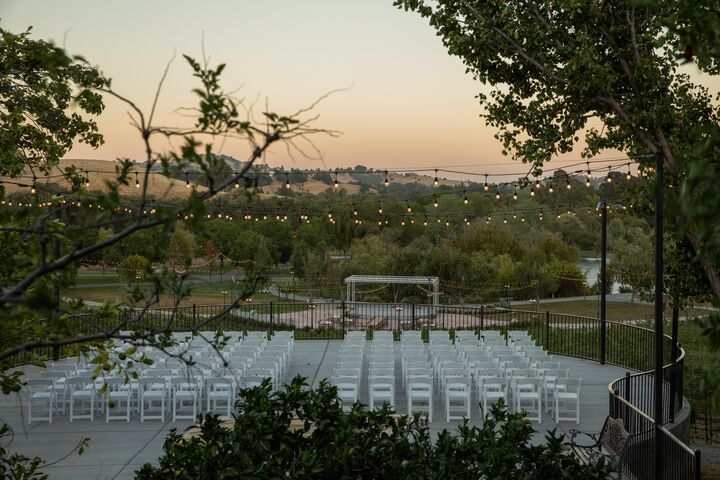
point(537, 184)
point(628, 176)
point(137, 182)
point(237, 183)
point(287, 182)
point(515, 195)
point(380, 208)
point(532, 192)
point(187, 180)
point(505, 220)
point(609, 178)
point(87, 178)
point(33, 188)
point(408, 207)
point(336, 184)
point(465, 200)
point(497, 194)
point(435, 202)
point(567, 183)
point(550, 188)
point(485, 185)
point(436, 182)
point(425, 222)
point(387, 181)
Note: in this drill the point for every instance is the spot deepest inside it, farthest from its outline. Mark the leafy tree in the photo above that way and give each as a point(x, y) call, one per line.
point(181, 248)
point(38, 90)
point(606, 71)
point(304, 433)
point(134, 268)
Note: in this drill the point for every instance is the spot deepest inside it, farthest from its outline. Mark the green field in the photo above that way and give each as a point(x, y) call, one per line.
point(615, 311)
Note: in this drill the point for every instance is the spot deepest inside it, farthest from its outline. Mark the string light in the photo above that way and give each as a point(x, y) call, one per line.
point(609, 179)
point(567, 183)
point(387, 181)
point(550, 188)
point(435, 202)
point(380, 208)
point(336, 184)
point(465, 200)
point(408, 207)
point(485, 186)
point(515, 195)
point(187, 180)
point(537, 184)
point(137, 182)
point(287, 182)
point(237, 183)
point(436, 182)
point(497, 194)
point(33, 188)
point(629, 175)
point(87, 179)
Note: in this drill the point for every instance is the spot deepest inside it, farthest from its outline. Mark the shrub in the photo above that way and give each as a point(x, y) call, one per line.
point(330, 443)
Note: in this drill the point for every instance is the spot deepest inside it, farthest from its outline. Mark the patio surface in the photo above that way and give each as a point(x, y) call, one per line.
point(118, 449)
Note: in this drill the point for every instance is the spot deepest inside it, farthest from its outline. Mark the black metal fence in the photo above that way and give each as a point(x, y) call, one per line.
point(678, 461)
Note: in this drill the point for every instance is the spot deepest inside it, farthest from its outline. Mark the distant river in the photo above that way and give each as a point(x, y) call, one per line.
point(591, 267)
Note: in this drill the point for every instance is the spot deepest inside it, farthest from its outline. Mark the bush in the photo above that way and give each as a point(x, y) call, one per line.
point(330, 443)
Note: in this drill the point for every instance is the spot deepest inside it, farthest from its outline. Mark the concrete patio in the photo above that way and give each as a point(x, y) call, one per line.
point(118, 449)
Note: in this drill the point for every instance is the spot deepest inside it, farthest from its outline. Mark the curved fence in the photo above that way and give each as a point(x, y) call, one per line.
point(625, 345)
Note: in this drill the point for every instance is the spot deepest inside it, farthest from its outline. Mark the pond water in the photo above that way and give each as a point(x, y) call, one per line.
point(591, 268)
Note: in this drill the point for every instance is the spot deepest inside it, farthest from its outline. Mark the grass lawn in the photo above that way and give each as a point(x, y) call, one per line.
point(616, 311)
point(203, 294)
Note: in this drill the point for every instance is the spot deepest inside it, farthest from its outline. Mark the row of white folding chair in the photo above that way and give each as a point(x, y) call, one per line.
point(348, 368)
point(381, 371)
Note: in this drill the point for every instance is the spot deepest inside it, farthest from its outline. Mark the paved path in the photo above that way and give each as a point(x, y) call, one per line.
point(118, 449)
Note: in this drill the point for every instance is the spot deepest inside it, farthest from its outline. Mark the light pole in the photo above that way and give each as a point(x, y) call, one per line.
point(659, 287)
point(603, 278)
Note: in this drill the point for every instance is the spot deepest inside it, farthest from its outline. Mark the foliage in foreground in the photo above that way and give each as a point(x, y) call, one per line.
point(359, 444)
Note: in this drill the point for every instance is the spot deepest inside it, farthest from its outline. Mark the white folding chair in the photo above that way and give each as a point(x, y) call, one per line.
point(152, 392)
point(220, 394)
point(382, 390)
point(457, 397)
point(42, 391)
point(492, 389)
point(569, 393)
point(420, 395)
point(347, 391)
point(82, 390)
point(184, 398)
point(118, 395)
point(527, 393)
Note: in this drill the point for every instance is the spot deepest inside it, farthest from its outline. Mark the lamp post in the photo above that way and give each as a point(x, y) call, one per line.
point(659, 287)
point(602, 206)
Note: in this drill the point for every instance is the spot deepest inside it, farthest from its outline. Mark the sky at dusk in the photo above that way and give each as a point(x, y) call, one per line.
point(408, 104)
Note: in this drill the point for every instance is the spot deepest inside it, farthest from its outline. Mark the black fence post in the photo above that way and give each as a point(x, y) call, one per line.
point(482, 318)
point(344, 312)
point(194, 316)
point(271, 316)
point(547, 331)
point(413, 315)
point(698, 463)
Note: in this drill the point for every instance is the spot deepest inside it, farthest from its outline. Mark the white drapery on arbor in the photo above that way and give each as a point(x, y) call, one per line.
point(432, 282)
